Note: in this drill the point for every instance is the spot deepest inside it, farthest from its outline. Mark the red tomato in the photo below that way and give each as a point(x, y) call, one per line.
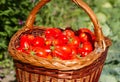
point(38, 41)
point(61, 40)
point(52, 32)
point(24, 42)
point(74, 52)
point(58, 53)
point(40, 52)
point(48, 42)
point(85, 49)
point(30, 37)
point(56, 42)
point(62, 52)
point(87, 46)
point(69, 33)
point(81, 30)
point(84, 53)
point(66, 49)
point(74, 41)
point(58, 32)
point(20, 49)
point(47, 49)
point(27, 51)
point(86, 35)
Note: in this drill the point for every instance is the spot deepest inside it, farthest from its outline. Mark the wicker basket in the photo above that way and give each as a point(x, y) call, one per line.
point(31, 68)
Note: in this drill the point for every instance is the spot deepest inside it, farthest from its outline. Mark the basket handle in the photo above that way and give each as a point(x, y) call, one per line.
point(84, 6)
point(31, 18)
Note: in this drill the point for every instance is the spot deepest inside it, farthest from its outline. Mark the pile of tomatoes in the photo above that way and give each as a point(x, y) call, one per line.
point(55, 43)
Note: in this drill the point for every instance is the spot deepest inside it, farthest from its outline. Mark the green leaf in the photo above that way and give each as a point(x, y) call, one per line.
point(3, 34)
point(2, 1)
point(107, 5)
point(3, 44)
point(106, 30)
point(101, 17)
point(107, 78)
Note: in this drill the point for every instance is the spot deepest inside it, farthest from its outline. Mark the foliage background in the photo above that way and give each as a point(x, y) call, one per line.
point(61, 14)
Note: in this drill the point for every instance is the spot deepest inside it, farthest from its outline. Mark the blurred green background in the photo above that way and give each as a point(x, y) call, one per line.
point(62, 14)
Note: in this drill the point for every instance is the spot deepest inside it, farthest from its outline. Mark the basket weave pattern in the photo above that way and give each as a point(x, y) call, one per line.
point(31, 68)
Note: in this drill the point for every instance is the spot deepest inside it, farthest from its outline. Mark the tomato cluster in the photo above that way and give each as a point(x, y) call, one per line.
point(56, 43)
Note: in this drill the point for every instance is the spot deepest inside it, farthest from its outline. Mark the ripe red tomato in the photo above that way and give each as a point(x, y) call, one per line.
point(85, 49)
point(86, 35)
point(47, 49)
point(74, 52)
point(56, 42)
point(20, 49)
point(30, 37)
point(40, 52)
point(27, 51)
point(66, 49)
point(87, 46)
point(69, 33)
point(62, 52)
point(24, 42)
point(61, 40)
point(58, 53)
point(48, 41)
point(85, 30)
point(84, 53)
point(83, 36)
point(74, 41)
point(38, 41)
point(52, 33)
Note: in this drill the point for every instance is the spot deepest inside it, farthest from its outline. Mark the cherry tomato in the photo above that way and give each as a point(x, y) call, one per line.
point(40, 52)
point(74, 52)
point(85, 30)
point(84, 53)
point(85, 34)
point(61, 40)
point(85, 49)
point(48, 41)
point(24, 42)
point(62, 52)
point(27, 51)
point(47, 49)
point(20, 49)
point(74, 41)
point(69, 33)
point(56, 42)
point(52, 32)
point(87, 46)
point(38, 41)
point(66, 49)
point(30, 37)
